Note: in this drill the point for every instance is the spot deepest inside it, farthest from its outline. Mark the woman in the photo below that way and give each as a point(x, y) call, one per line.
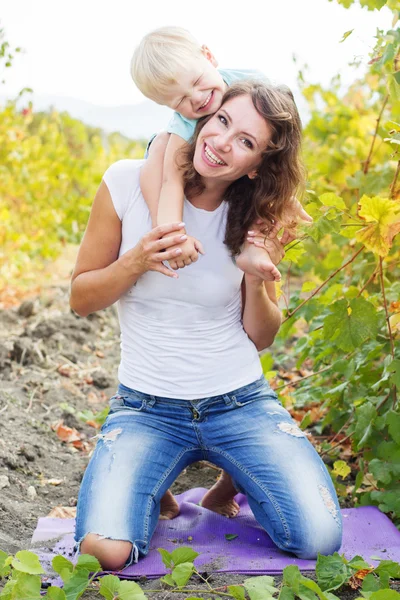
point(191, 382)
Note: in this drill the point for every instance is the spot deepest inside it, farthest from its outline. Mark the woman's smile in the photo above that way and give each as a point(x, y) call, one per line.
point(211, 158)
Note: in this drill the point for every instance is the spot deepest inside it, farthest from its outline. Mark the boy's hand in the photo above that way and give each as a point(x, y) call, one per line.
point(190, 251)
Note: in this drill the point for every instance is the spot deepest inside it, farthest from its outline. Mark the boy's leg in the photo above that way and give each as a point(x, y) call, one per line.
point(135, 460)
point(271, 460)
point(151, 174)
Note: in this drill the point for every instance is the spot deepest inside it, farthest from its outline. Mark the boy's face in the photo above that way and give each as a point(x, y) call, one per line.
point(200, 88)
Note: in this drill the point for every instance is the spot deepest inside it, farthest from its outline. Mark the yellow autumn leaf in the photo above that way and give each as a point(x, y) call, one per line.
point(383, 218)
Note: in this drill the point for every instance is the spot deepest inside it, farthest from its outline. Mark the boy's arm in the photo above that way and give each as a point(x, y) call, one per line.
point(170, 205)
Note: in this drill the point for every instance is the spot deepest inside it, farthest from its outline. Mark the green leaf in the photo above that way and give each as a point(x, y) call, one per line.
point(184, 554)
point(27, 587)
point(370, 583)
point(308, 286)
point(346, 35)
point(341, 468)
point(89, 563)
point(365, 416)
point(330, 199)
point(231, 536)
point(4, 568)
point(109, 586)
point(286, 593)
point(27, 562)
point(182, 573)
point(237, 591)
point(55, 593)
point(168, 580)
point(129, 590)
point(77, 584)
point(393, 420)
point(63, 567)
point(260, 588)
point(385, 595)
point(331, 571)
point(390, 567)
point(294, 252)
point(394, 368)
point(166, 557)
point(351, 323)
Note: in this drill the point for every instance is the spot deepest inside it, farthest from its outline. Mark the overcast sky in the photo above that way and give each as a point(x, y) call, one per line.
point(82, 48)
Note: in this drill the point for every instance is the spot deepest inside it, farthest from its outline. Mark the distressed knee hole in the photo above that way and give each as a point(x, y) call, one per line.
point(328, 500)
point(110, 436)
point(291, 429)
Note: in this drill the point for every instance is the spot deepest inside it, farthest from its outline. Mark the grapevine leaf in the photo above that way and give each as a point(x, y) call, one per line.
point(109, 586)
point(55, 593)
point(260, 588)
point(27, 587)
point(383, 218)
point(350, 324)
point(341, 468)
point(331, 571)
point(89, 563)
point(237, 591)
point(168, 580)
point(182, 573)
point(231, 536)
point(365, 416)
point(166, 557)
point(27, 562)
point(330, 199)
point(63, 567)
point(129, 590)
point(184, 554)
point(76, 585)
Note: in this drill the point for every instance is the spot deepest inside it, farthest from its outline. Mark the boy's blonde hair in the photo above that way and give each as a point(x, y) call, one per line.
point(160, 57)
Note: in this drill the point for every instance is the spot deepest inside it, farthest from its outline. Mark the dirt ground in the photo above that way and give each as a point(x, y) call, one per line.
point(54, 366)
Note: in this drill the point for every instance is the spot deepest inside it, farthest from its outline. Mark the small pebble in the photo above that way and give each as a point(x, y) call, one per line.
point(31, 492)
point(4, 481)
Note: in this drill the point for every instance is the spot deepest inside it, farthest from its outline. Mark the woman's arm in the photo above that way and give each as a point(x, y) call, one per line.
point(100, 278)
point(261, 315)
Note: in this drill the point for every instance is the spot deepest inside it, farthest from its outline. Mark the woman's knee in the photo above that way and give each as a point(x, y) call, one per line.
point(111, 554)
point(323, 538)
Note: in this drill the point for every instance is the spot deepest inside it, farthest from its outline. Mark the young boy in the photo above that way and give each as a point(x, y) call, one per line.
point(170, 67)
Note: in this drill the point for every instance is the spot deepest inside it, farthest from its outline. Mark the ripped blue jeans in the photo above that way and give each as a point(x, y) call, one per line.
point(147, 441)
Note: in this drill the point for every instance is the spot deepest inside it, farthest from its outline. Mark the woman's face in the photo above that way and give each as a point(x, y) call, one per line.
point(231, 144)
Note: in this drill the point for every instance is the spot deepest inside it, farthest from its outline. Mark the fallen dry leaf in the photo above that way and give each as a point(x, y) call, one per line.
point(64, 370)
point(63, 512)
point(99, 353)
point(66, 434)
point(356, 580)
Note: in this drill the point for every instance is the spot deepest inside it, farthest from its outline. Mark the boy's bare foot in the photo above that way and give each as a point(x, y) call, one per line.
point(169, 508)
point(220, 498)
point(256, 261)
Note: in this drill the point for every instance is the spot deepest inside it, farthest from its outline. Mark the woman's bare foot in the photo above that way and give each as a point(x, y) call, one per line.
point(169, 508)
point(220, 498)
point(256, 261)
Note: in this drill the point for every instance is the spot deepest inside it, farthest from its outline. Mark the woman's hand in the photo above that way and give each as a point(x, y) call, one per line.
point(153, 248)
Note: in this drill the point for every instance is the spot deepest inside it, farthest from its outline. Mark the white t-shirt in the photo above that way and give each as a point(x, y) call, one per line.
point(181, 338)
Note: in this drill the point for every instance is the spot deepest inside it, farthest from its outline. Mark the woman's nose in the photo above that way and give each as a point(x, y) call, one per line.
point(222, 142)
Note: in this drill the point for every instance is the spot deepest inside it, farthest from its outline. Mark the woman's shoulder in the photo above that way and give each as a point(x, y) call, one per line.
point(122, 179)
point(125, 170)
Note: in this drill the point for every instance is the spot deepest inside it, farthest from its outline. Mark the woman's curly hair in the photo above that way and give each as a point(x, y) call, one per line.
point(280, 175)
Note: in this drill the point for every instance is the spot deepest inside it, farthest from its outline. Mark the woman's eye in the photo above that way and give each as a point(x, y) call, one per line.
point(222, 119)
point(247, 143)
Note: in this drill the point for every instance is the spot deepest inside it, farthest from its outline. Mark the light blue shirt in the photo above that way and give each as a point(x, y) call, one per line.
point(185, 127)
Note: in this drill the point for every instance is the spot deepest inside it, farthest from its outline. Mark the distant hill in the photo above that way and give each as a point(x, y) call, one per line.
point(134, 121)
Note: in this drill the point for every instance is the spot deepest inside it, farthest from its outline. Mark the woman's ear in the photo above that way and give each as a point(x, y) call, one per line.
point(252, 174)
point(209, 55)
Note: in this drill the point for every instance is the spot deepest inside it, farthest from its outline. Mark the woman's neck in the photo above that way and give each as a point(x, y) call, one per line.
point(212, 195)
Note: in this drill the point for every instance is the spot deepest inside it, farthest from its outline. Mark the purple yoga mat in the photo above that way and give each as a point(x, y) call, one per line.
point(367, 532)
